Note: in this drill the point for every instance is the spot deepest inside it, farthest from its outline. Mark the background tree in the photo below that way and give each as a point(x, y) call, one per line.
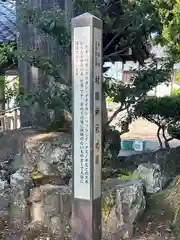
point(127, 29)
point(169, 35)
point(128, 95)
point(164, 112)
point(127, 25)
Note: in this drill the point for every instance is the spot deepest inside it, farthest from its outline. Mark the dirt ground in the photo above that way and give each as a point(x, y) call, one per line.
point(143, 129)
point(156, 222)
point(161, 219)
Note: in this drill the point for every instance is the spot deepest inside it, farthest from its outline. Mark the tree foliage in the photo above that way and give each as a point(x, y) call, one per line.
point(128, 95)
point(173, 130)
point(126, 24)
point(169, 36)
point(175, 92)
point(164, 112)
point(7, 55)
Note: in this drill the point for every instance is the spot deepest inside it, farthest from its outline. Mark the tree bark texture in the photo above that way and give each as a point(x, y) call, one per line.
point(28, 37)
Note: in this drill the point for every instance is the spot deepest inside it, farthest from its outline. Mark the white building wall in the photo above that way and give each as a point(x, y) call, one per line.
point(11, 111)
point(164, 89)
point(11, 77)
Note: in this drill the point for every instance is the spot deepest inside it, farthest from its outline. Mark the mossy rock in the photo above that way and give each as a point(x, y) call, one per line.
point(107, 203)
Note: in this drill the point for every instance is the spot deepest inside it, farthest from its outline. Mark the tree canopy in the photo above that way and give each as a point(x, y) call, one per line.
point(169, 14)
point(126, 25)
point(7, 56)
point(128, 95)
point(162, 111)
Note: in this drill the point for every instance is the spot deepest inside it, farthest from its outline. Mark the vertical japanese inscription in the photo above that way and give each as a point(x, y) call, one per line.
point(82, 112)
point(97, 78)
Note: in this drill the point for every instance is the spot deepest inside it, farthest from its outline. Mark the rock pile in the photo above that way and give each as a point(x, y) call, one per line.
point(35, 191)
point(122, 203)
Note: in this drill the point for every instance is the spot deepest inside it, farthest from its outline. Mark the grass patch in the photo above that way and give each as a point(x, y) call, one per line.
point(129, 176)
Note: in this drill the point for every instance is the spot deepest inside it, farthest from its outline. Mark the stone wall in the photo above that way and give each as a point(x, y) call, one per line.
point(168, 159)
point(36, 200)
point(46, 213)
point(31, 159)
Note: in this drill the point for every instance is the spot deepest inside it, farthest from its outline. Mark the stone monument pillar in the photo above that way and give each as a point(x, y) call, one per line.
point(87, 126)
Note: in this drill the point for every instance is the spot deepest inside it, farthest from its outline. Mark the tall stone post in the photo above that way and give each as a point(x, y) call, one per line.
point(87, 126)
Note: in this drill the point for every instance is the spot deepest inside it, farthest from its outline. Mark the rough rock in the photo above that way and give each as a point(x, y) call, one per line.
point(168, 159)
point(4, 203)
point(12, 142)
point(123, 202)
point(19, 145)
point(20, 187)
point(152, 176)
point(50, 210)
point(49, 154)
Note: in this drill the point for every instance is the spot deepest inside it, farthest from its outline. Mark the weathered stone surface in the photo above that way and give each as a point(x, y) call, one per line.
point(20, 187)
point(122, 203)
point(19, 146)
point(49, 154)
point(50, 208)
point(152, 176)
point(4, 203)
point(4, 194)
point(18, 162)
point(168, 160)
point(12, 142)
point(35, 230)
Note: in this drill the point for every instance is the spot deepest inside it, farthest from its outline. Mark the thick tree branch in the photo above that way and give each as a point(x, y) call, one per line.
point(151, 119)
point(158, 136)
point(170, 139)
point(114, 115)
point(121, 108)
point(112, 40)
point(166, 142)
point(115, 53)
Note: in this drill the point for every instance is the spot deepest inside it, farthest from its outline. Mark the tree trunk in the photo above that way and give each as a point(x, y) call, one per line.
point(31, 77)
point(166, 142)
point(159, 138)
point(31, 38)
